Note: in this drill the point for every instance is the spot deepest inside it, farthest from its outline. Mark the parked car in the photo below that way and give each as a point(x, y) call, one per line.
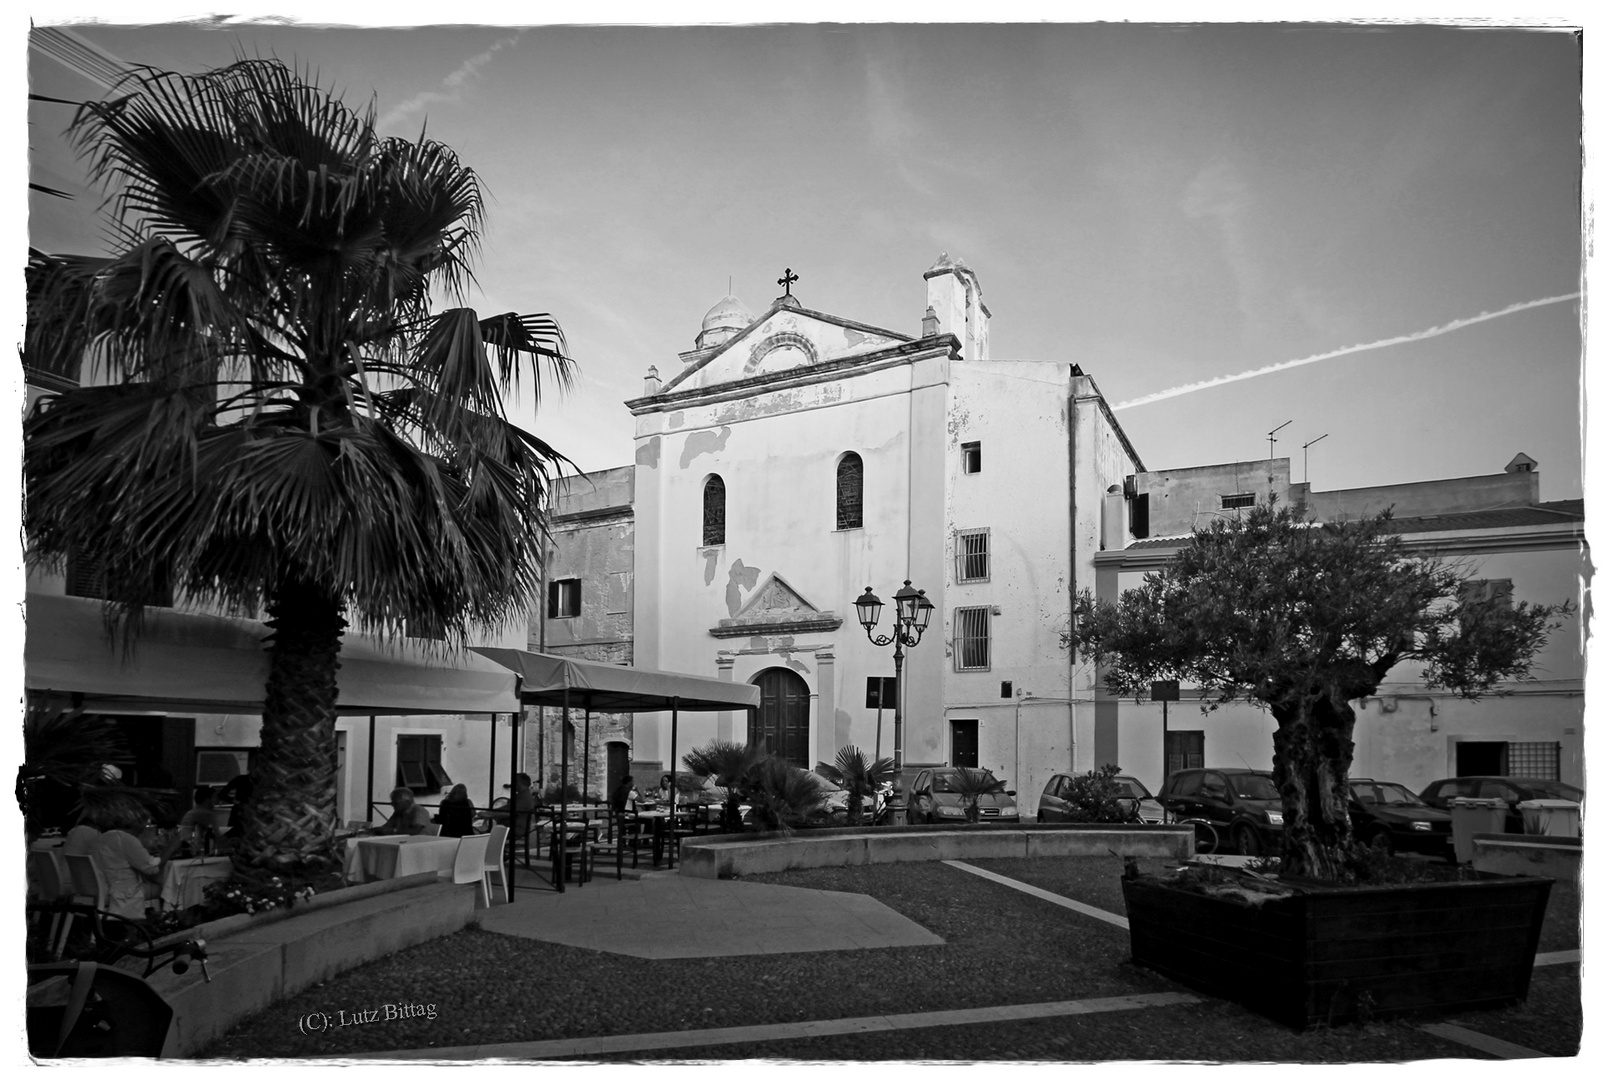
point(1510, 789)
point(934, 798)
point(1391, 818)
point(1241, 804)
point(1053, 806)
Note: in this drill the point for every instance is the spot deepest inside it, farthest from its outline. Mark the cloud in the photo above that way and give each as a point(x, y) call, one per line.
point(454, 84)
point(1434, 331)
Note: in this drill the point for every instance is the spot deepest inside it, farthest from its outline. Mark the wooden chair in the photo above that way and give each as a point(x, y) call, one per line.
point(495, 841)
point(469, 865)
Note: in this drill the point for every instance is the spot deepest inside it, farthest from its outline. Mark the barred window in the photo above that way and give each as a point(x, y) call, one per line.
point(971, 555)
point(714, 516)
point(850, 492)
point(1535, 760)
point(971, 639)
point(1239, 499)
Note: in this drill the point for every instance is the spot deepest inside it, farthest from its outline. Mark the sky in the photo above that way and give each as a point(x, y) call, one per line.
point(1162, 205)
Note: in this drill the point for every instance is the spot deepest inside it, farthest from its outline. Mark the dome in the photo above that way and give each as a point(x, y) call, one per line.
point(731, 313)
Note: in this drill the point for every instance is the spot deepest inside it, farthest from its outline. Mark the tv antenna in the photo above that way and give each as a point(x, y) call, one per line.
point(1306, 477)
point(1271, 440)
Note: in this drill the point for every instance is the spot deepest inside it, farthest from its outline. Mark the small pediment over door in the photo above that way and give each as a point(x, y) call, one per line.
point(777, 608)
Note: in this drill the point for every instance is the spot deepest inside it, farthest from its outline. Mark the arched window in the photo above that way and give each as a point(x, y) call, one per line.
point(714, 521)
point(850, 492)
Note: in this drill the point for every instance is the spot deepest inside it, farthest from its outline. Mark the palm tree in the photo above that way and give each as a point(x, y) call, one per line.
point(730, 765)
point(783, 794)
point(858, 775)
point(973, 784)
point(287, 424)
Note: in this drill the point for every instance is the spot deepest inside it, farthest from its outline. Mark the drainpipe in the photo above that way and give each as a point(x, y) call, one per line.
point(1072, 557)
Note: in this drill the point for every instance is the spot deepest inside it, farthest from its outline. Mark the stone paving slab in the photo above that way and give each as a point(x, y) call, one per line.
point(667, 916)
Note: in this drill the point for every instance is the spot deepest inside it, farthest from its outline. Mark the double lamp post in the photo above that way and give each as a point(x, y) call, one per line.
point(912, 611)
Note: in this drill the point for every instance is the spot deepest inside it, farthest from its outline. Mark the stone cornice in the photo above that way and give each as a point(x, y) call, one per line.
point(588, 517)
point(823, 623)
point(830, 371)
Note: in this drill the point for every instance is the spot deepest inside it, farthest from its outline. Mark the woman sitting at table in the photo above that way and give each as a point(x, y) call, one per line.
point(667, 792)
point(456, 815)
point(133, 875)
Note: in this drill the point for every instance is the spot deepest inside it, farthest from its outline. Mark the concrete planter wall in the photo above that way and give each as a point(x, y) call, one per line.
point(742, 854)
point(1555, 857)
point(1337, 954)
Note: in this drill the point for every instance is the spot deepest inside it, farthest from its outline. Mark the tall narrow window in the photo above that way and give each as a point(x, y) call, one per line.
point(971, 457)
point(714, 518)
point(971, 555)
point(971, 639)
point(850, 492)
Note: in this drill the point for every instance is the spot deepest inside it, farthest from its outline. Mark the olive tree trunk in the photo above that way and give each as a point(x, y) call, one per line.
point(1312, 751)
point(291, 815)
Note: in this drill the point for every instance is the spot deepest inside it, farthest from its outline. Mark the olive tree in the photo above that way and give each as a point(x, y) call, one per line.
point(1305, 618)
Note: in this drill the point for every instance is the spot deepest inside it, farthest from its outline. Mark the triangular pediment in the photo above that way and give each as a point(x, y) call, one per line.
point(777, 607)
point(783, 339)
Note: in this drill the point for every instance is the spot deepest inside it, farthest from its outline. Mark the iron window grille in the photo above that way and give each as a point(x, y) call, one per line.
point(714, 512)
point(971, 555)
point(1239, 500)
point(850, 492)
point(971, 644)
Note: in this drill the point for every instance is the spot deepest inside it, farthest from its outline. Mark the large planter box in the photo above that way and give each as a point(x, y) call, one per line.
point(1334, 954)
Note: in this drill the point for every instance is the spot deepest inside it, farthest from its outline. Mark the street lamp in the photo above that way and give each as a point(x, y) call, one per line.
point(912, 609)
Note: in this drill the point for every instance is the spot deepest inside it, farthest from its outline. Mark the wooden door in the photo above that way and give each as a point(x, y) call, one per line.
point(963, 743)
point(783, 724)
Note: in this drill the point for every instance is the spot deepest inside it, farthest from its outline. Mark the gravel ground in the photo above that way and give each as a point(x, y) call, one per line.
point(1001, 947)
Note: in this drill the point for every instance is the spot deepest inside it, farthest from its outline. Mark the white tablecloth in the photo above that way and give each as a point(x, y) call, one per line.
point(184, 881)
point(378, 858)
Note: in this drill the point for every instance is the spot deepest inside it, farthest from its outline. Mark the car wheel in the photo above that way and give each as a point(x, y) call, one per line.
point(1246, 842)
point(1380, 842)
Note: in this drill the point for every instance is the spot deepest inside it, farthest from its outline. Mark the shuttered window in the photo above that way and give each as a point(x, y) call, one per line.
point(850, 492)
point(971, 646)
point(418, 764)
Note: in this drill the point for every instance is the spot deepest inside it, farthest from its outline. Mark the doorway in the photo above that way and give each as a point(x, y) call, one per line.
point(963, 744)
point(783, 722)
point(619, 764)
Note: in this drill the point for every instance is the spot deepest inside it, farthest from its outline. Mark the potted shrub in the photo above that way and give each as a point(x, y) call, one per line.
point(1305, 618)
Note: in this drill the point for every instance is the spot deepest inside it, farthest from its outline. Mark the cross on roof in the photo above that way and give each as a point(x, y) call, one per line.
point(787, 279)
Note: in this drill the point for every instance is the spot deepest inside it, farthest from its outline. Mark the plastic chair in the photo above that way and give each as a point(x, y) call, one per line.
point(88, 881)
point(431, 830)
point(469, 865)
point(44, 878)
point(495, 841)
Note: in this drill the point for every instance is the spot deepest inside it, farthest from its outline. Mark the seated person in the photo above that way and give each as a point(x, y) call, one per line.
point(456, 815)
point(408, 818)
point(133, 875)
point(197, 822)
point(624, 795)
point(81, 837)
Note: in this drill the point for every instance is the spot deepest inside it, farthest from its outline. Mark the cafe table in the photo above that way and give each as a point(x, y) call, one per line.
point(379, 858)
point(184, 881)
point(659, 821)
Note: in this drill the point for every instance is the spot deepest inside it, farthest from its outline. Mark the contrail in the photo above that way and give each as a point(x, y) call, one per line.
point(1435, 331)
point(453, 83)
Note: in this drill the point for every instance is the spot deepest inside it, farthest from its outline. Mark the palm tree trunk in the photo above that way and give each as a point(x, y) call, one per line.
point(290, 818)
point(1312, 751)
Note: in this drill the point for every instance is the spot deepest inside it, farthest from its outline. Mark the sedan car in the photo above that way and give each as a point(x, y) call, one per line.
point(1053, 803)
point(1241, 805)
point(1390, 818)
point(1510, 789)
point(935, 797)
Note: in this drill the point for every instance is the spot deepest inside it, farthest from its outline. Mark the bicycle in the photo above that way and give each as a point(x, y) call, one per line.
point(1206, 836)
point(96, 1009)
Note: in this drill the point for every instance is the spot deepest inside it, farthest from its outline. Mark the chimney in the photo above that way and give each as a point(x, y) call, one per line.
point(651, 384)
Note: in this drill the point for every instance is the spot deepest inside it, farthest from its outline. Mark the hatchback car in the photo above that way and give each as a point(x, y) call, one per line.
point(1510, 789)
point(1390, 818)
point(1053, 805)
point(934, 797)
point(1241, 805)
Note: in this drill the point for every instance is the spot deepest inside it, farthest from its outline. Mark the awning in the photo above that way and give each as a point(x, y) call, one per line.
point(187, 662)
point(610, 688)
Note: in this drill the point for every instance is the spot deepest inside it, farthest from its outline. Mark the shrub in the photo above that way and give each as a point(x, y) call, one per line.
point(1097, 797)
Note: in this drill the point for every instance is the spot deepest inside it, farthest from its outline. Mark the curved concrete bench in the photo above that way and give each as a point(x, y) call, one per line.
point(741, 854)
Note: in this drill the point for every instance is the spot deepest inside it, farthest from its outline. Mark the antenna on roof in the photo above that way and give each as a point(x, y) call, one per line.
point(1271, 440)
point(1305, 476)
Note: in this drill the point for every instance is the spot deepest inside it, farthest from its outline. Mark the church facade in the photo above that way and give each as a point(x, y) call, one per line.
point(793, 458)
